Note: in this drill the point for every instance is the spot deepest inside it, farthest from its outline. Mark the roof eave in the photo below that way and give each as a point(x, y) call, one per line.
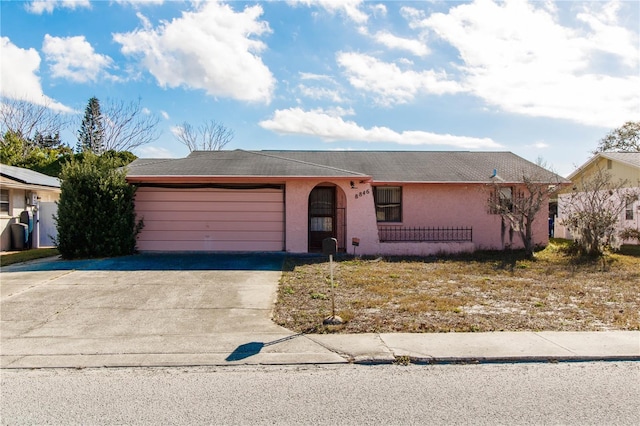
point(279, 179)
point(18, 184)
point(229, 178)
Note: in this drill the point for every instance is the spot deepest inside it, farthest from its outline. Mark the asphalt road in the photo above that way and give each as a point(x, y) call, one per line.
point(566, 393)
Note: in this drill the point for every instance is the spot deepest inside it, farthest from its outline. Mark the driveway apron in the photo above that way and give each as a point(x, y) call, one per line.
point(149, 309)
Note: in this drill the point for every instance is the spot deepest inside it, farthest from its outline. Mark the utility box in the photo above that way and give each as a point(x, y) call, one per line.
point(32, 199)
point(329, 246)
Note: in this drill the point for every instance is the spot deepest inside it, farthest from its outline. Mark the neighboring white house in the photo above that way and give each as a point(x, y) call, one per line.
point(622, 166)
point(26, 190)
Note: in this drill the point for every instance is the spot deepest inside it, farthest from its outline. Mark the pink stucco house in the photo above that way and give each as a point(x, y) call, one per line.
point(392, 203)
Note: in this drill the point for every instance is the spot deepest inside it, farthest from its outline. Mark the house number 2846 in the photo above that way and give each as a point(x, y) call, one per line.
point(363, 193)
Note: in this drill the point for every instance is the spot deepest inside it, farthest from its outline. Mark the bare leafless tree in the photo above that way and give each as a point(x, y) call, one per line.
point(210, 136)
point(25, 119)
point(128, 125)
point(592, 210)
point(519, 204)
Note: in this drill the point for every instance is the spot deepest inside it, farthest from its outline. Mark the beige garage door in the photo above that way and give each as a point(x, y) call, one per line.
point(211, 219)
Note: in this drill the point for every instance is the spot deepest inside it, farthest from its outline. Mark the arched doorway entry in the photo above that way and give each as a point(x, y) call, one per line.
point(327, 216)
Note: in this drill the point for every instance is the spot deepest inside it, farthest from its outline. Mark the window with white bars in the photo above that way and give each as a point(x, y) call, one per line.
point(388, 200)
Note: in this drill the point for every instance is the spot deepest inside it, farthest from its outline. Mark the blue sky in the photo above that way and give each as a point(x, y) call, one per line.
point(542, 79)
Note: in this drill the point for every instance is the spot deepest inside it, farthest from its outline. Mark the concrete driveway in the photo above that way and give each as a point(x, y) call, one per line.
point(150, 309)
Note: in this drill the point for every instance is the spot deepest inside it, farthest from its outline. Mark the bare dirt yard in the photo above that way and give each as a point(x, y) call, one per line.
point(481, 292)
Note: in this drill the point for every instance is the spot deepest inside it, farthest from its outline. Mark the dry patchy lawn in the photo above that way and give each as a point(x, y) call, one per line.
point(484, 292)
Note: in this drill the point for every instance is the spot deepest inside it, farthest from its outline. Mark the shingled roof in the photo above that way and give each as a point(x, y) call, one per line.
point(381, 166)
point(28, 177)
point(631, 158)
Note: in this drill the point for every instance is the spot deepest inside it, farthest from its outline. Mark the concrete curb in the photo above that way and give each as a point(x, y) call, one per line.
point(197, 360)
point(359, 349)
point(496, 360)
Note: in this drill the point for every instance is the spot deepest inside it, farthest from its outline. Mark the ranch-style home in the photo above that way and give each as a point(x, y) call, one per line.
point(372, 202)
point(23, 190)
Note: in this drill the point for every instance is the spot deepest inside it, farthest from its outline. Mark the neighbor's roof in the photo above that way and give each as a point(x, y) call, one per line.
point(28, 177)
point(629, 158)
point(382, 166)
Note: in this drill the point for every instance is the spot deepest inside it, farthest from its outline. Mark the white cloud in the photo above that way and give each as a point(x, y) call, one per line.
point(164, 115)
point(149, 151)
point(73, 58)
point(391, 84)
point(319, 93)
point(338, 111)
point(350, 8)
point(212, 48)
point(330, 126)
point(332, 93)
point(540, 145)
point(379, 10)
point(137, 3)
point(18, 76)
point(41, 6)
point(317, 77)
point(518, 57)
point(413, 16)
point(175, 130)
point(607, 36)
point(391, 41)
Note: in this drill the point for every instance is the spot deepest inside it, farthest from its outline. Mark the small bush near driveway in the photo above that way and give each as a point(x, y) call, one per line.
point(483, 292)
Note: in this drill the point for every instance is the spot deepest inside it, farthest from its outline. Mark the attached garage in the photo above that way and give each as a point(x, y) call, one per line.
point(214, 218)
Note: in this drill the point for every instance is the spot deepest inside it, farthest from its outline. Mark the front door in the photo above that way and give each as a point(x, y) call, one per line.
point(322, 216)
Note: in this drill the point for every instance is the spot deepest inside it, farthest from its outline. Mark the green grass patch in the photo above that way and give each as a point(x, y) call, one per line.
point(26, 255)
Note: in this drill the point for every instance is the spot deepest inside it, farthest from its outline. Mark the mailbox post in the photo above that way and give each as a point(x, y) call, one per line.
point(355, 242)
point(330, 247)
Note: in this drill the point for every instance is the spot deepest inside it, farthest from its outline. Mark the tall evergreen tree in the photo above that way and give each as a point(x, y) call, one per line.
point(47, 140)
point(91, 133)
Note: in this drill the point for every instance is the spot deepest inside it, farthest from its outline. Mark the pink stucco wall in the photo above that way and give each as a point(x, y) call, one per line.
point(457, 205)
point(424, 205)
point(360, 214)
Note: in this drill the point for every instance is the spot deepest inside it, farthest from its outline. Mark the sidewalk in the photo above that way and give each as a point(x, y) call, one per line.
point(485, 347)
point(194, 310)
point(297, 349)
